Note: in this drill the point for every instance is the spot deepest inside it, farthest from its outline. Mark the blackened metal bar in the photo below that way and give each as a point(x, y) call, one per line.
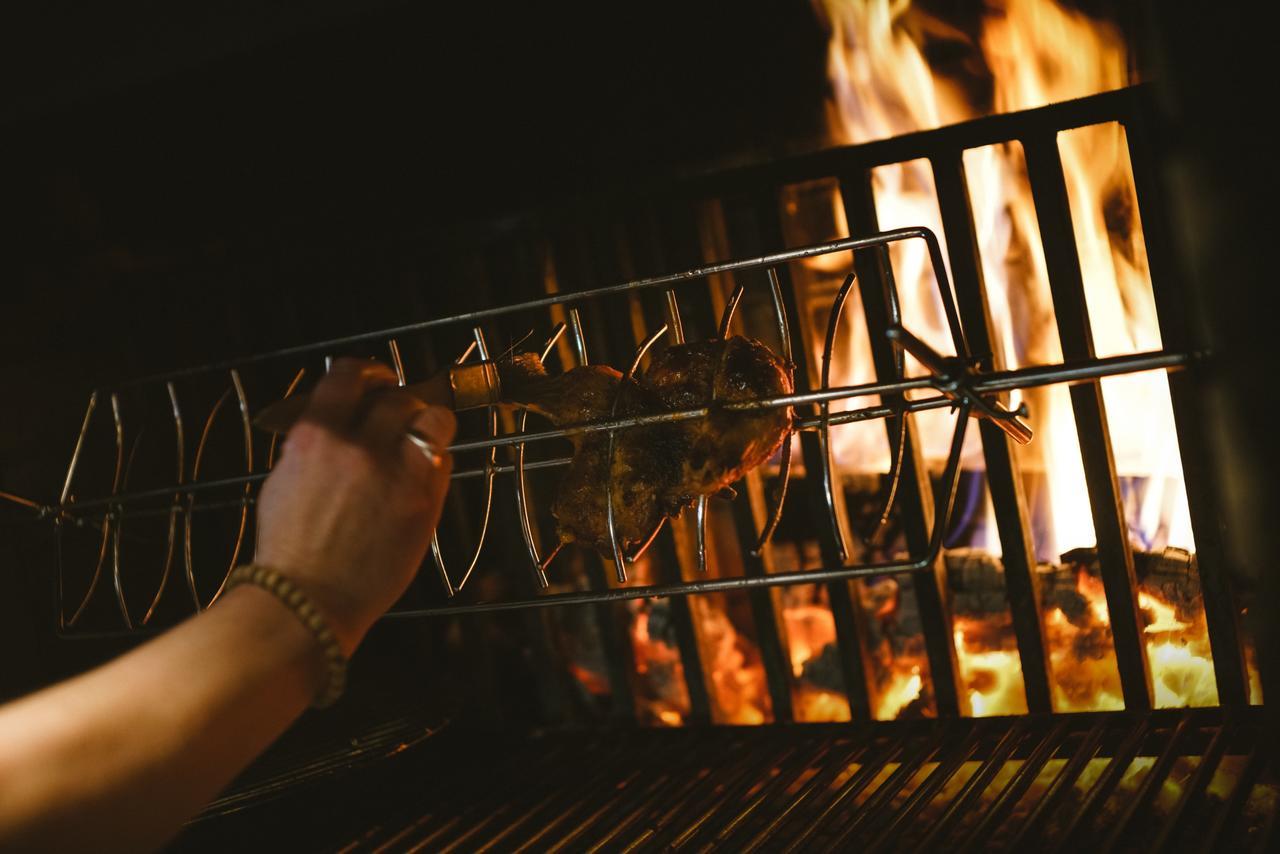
point(695, 676)
point(924, 794)
point(1061, 785)
point(870, 813)
point(1191, 420)
point(1139, 802)
point(674, 785)
point(973, 788)
point(1175, 824)
point(1227, 821)
point(819, 783)
point(989, 130)
point(773, 655)
point(767, 791)
point(675, 822)
point(1079, 826)
point(618, 655)
point(1013, 790)
point(1115, 558)
point(589, 801)
point(848, 793)
point(729, 794)
point(875, 275)
point(1003, 477)
point(851, 631)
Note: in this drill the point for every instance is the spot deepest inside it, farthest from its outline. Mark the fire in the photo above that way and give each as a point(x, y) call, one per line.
point(993, 677)
point(1037, 52)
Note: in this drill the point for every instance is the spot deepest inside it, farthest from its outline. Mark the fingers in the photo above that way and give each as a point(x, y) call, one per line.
point(389, 418)
point(435, 426)
point(336, 400)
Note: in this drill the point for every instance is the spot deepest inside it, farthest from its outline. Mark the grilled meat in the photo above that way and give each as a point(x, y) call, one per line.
point(660, 469)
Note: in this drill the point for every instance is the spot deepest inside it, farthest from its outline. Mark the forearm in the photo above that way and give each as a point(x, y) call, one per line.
point(121, 756)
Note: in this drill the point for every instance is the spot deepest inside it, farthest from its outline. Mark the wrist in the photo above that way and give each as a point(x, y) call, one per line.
point(279, 633)
point(307, 614)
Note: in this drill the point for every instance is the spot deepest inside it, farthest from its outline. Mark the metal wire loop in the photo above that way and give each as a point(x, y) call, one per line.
point(619, 559)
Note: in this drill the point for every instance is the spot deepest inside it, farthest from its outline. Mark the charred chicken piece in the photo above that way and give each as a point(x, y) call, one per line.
point(660, 469)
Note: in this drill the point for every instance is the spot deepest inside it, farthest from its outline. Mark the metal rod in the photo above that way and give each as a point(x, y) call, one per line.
point(998, 381)
point(115, 487)
point(726, 319)
point(829, 769)
point(972, 788)
point(1004, 479)
point(835, 514)
point(1227, 819)
point(176, 507)
point(1015, 788)
point(1066, 282)
point(1079, 825)
point(1140, 801)
point(522, 489)
point(79, 446)
point(1191, 420)
point(868, 814)
point(784, 462)
point(882, 311)
point(619, 559)
point(847, 794)
point(674, 323)
point(850, 623)
point(1061, 785)
point(1175, 825)
point(924, 794)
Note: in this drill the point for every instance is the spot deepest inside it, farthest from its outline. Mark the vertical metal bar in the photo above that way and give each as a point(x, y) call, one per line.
point(1191, 420)
point(75, 454)
point(669, 569)
point(851, 632)
point(875, 276)
point(1003, 478)
point(773, 655)
point(1066, 282)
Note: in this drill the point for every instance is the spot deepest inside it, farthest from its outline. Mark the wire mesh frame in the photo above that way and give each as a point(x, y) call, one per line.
point(957, 386)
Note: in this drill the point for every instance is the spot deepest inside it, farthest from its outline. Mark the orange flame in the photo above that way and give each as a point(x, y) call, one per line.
point(1037, 52)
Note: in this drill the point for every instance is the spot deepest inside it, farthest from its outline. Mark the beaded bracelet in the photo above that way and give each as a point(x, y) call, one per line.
point(305, 610)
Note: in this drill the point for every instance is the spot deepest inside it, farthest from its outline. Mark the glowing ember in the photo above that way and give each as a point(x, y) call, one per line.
point(662, 692)
point(903, 690)
point(809, 630)
point(993, 677)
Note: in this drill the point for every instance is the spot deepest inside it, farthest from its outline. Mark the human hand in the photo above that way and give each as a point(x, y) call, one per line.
point(350, 507)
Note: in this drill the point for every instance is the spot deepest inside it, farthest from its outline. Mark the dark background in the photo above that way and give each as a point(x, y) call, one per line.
point(184, 186)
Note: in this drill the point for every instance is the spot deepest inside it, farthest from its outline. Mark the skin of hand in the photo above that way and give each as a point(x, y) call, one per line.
point(350, 507)
point(117, 758)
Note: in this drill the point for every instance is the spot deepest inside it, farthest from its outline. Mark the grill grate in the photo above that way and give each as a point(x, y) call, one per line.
point(1118, 782)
